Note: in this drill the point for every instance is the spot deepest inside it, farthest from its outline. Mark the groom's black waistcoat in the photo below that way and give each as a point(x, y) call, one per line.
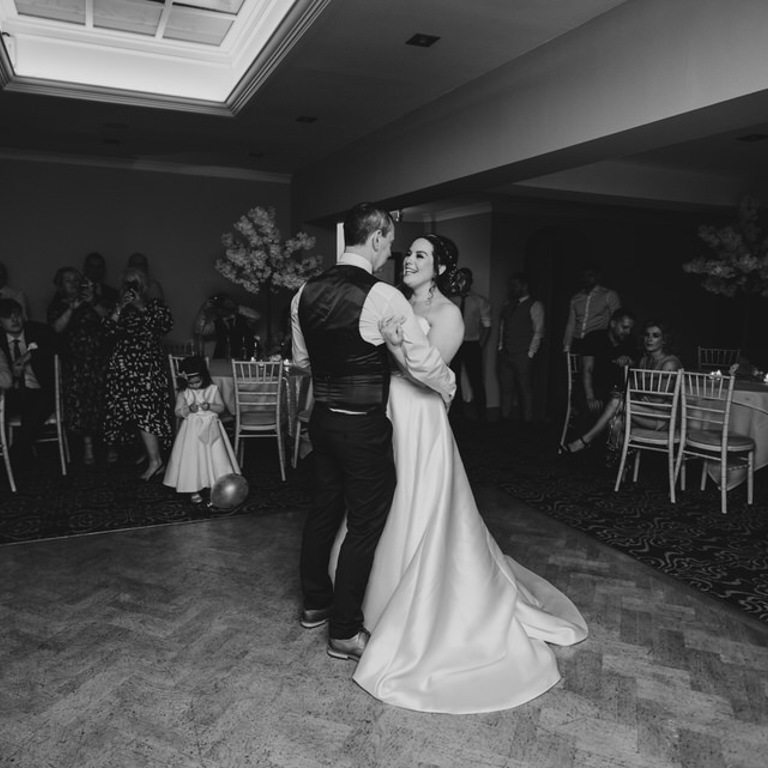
point(348, 373)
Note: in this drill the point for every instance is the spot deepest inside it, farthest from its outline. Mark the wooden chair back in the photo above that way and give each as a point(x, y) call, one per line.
point(573, 370)
point(717, 358)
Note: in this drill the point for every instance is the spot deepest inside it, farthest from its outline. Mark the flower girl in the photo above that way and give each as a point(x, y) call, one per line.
point(201, 452)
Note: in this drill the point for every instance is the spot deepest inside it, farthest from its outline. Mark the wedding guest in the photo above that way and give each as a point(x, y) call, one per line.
point(6, 292)
point(27, 373)
point(137, 384)
point(201, 452)
point(606, 353)
point(105, 297)
point(74, 316)
point(141, 262)
point(476, 311)
point(590, 309)
point(658, 357)
point(222, 330)
point(521, 332)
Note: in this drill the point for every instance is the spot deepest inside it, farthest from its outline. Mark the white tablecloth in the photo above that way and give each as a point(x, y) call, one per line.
point(749, 416)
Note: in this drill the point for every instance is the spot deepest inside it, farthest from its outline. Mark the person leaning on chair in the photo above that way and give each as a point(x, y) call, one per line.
point(27, 373)
point(606, 355)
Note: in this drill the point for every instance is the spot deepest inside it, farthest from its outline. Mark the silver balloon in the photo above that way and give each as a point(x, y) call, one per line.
point(229, 491)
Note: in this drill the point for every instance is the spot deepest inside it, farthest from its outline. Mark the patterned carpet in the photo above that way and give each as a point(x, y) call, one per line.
point(723, 556)
point(111, 498)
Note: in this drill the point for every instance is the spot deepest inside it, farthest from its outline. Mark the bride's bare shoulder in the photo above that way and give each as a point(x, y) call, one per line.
point(448, 310)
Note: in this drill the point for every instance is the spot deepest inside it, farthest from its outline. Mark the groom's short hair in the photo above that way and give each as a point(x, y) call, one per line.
point(363, 220)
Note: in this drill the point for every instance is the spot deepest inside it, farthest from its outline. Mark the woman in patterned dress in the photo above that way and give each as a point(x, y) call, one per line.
point(77, 322)
point(138, 389)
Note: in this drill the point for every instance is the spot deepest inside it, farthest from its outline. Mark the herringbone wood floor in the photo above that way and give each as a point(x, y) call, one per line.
point(179, 647)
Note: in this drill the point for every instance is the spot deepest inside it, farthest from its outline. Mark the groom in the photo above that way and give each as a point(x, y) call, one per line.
point(335, 319)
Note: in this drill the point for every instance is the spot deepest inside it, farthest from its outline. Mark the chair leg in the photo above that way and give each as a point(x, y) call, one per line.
point(281, 452)
point(703, 474)
point(566, 422)
point(636, 467)
point(296, 442)
point(672, 479)
point(62, 450)
point(724, 485)
point(622, 464)
point(9, 469)
point(750, 477)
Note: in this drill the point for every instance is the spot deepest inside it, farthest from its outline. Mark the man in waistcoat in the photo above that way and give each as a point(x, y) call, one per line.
point(335, 320)
point(521, 331)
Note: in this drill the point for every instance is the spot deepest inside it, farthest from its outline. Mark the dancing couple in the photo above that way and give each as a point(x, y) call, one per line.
point(394, 543)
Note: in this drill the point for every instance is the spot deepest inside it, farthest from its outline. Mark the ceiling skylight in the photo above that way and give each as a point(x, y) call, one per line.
point(210, 51)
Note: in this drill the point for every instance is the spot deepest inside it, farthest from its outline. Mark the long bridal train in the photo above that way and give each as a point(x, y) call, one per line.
point(456, 625)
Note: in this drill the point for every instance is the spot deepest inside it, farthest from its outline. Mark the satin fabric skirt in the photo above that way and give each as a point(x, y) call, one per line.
point(201, 454)
point(456, 626)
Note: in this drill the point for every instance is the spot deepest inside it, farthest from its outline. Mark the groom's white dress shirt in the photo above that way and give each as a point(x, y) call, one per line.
point(423, 361)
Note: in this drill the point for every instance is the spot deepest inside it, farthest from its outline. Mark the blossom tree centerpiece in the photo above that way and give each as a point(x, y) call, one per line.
point(737, 266)
point(256, 258)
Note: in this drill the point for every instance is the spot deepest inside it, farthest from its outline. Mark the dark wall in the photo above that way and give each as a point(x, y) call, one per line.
point(55, 213)
point(642, 253)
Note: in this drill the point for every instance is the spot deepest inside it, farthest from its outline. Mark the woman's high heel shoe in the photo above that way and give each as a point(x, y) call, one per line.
point(565, 450)
point(149, 479)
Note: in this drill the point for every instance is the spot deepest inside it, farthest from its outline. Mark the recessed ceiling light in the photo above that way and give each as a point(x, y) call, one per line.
point(422, 41)
point(306, 119)
point(750, 137)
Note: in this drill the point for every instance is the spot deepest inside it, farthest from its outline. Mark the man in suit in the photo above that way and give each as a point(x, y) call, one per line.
point(26, 372)
point(335, 319)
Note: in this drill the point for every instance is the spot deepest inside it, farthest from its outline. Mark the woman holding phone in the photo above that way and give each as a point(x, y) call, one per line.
point(137, 387)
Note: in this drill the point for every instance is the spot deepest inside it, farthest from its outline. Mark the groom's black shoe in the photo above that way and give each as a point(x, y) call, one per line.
point(315, 617)
point(349, 648)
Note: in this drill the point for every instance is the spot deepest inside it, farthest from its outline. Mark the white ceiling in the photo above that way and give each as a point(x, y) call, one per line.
point(341, 77)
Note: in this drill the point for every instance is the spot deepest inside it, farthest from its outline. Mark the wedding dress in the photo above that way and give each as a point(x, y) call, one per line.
point(456, 626)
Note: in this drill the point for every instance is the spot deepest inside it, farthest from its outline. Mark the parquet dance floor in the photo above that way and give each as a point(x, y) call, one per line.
point(179, 647)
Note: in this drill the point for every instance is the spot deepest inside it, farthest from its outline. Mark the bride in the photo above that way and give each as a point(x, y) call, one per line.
point(456, 626)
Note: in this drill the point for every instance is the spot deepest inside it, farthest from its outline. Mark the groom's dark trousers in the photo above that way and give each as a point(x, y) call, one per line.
point(354, 474)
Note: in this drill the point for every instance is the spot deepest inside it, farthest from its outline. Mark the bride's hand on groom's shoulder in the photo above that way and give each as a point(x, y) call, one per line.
point(391, 330)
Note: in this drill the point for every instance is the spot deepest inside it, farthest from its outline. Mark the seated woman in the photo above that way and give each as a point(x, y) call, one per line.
point(657, 357)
